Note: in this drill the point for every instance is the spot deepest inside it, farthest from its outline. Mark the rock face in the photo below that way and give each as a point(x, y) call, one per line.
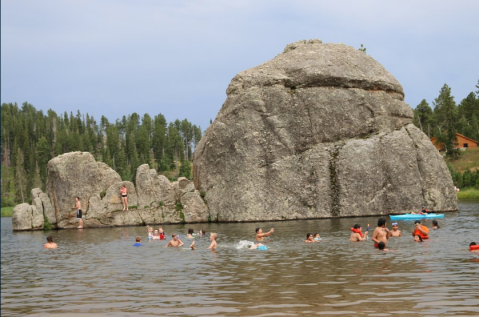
point(322, 130)
point(154, 201)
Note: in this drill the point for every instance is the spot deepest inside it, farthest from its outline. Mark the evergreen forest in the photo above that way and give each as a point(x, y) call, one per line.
point(30, 138)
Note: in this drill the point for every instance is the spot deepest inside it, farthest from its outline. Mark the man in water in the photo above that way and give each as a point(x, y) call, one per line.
point(420, 230)
point(260, 235)
point(174, 242)
point(357, 234)
point(50, 244)
point(381, 233)
point(395, 232)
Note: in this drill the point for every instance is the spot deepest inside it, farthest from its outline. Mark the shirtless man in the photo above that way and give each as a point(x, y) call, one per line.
point(79, 212)
point(175, 242)
point(395, 232)
point(357, 234)
point(381, 233)
point(50, 244)
point(260, 235)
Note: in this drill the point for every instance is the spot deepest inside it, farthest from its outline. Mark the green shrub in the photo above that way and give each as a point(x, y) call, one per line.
point(182, 217)
point(47, 225)
point(179, 206)
point(146, 207)
point(161, 203)
point(203, 194)
point(133, 207)
point(102, 194)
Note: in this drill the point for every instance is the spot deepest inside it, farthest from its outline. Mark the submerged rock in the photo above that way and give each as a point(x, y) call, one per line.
point(322, 130)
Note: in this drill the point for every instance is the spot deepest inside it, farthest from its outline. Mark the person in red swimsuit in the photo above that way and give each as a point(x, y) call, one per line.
point(124, 195)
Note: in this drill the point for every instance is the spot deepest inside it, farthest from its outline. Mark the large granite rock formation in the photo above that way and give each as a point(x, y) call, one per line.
point(155, 200)
point(322, 130)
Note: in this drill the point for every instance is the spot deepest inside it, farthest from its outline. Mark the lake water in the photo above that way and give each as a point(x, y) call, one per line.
point(97, 272)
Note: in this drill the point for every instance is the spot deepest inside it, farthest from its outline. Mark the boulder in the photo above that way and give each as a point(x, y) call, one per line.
point(26, 217)
point(152, 188)
point(76, 174)
point(48, 210)
point(322, 130)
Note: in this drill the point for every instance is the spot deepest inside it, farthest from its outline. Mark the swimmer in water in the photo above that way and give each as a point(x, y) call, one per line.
point(213, 245)
point(435, 225)
point(50, 244)
point(156, 235)
point(473, 247)
point(357, 234)
point(382, 246)
point(381, 233)
point(317, 238)
point(190, 234)
point(417, 238)
point(174, 242)
point(138, 240)
point(309, 238)
point(149, 230)
point(162, 233)
point(260, 235)
point(395, 232)
point(259, 246)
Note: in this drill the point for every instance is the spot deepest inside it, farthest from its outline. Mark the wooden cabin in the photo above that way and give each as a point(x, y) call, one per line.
point(462, 143)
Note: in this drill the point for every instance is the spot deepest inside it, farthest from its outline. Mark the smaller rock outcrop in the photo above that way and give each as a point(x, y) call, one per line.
point(155, 200)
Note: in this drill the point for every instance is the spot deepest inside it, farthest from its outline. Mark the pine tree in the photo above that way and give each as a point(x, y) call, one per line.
point(20, 177)
point(445, 109)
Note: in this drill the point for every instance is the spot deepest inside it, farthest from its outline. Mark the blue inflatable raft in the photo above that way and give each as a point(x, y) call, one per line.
point(415, 216)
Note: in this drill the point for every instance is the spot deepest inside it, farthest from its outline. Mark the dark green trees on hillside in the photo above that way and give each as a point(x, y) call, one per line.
point(447, 118)
point(30, 138)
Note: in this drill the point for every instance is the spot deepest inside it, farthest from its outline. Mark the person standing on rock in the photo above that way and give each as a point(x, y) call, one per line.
point(79, 212)
point(260, 235)
point(124, 197)
point(381, 233)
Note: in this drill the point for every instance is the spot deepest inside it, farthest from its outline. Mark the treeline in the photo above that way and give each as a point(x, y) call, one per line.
point(448, 118)
point(468, 179)
point(30, 138)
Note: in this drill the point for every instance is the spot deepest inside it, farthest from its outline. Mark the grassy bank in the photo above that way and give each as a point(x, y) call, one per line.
point(7, 211)
point(468, 193)
point(468, 159)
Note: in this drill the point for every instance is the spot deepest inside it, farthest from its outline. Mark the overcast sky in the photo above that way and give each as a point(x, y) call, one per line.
point(113, 57)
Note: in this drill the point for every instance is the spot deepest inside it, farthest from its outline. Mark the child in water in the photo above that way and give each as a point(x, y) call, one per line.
point(213, 245)
point(149, 231)
point(417, 238)
point(259, 246)
point(317, 238)
point(435, 225)
point(175, 241)
point(190, 234)
point(382, 246)
point(473, 247)
point(162, 233)
point(309, 238)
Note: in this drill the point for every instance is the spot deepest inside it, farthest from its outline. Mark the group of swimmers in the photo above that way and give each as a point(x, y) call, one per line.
point(381, 234)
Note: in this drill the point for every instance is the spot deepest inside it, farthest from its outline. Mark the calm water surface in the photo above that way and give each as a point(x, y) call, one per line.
point(98, 272)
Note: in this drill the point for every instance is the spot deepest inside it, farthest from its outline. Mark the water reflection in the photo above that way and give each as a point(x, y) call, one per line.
point(98, 272)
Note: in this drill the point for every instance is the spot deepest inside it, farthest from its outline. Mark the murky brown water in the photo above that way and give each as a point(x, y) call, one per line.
point(98, 272)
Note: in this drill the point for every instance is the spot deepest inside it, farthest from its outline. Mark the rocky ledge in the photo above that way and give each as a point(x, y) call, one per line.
point(153, 200)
